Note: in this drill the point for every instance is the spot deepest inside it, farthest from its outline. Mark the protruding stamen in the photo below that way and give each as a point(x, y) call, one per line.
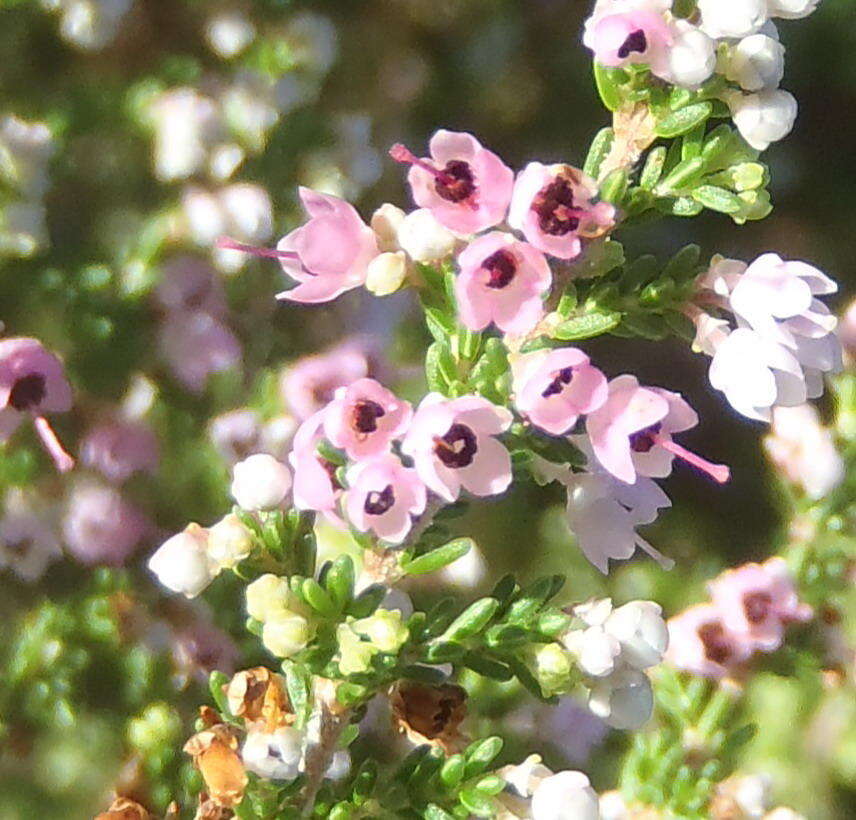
point(718, 472)
point(63, 461)
point(269, 253)
point(665, 563)
point(401, 153)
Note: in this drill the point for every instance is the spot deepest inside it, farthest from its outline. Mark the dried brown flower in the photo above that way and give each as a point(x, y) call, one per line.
point(259, 695)
point(214, 752)
point(123, 808)
point(430, 714)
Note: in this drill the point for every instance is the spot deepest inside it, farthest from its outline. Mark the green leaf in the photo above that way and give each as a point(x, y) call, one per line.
point(364, 782)
point(481, 754)
point(683, 265)
point(477, 803)
point(440, 367)
point(440, 325)
point(367, 601)
point(491, 784)
point(340, 581)
point(488, 667)
point(298, 684)
point(216, 682)
point(452, 771)
point(717, 199)
point(658, 293)
point(653, 169)
point(444, 652)
point(639, 273)
point(587, 326)
point(683, 206)
point(614, 187)
point(318, 599)
point(682, 175)
point(429, 675)
point(568, 302)
point(472, 620)
point(330, 453)
point(434, 812)
point(506, 635)
point(439, 558)
point(352, 694)
point(645, 325)
point(600, 147)
point(608, 81)
point(683, 120)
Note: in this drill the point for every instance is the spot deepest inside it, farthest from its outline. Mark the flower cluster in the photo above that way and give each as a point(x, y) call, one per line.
point(534, 791)
point(749, 610)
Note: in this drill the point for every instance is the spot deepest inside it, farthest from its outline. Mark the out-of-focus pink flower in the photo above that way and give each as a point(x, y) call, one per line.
point(554, 388)
point(465, 186)
point(553, 206)
point(195, 346)
point(637, 35)
point(188, 284)
point(327, 256)
point(700, 643)
point(631, 432)
point(757, 601)
point(27, 542)
point(100, 527)
point(315, 486)
point(236, 434)
point(118, 449)
point(501, 280)
point(382, 495)
point(452, 444)
point(199, 648)
point(32, 383)
point(364, 418)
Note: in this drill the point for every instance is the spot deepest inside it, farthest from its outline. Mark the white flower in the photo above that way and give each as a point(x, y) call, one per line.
point(423, 238)
point(640, 629)
point(595, 650)
point(286, 633)
point(275, 755)
point(340, 765)
point(756, 62)
point(791, 9)
point(750, 793)
point(386, 222)
point(467, 572)
point(565, 796)
point(182, 563)
point(732, 18)
point(691, 58)
point(25, 149)
point(27, 543)
point(229, 33)
point(260, 482)
point(613, 807)
point(229, 542)
point(764, 117)
point(624, 700)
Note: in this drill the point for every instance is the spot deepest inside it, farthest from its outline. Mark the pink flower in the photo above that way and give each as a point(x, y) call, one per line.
point(118, 449)
point(364, 418)
point(638, 35)
point(757, 601)
point(382, 495)
point(315, 486)
point(32, 382)
point(189, 283)
point(28, 542)
point(700, 643)
point(502, 280)
point(235, 434)
point(553, 206)
point(465, 186)
point(327, 256)
point(452, 444)
point(554, 388)
point(631, 432)
point(199, 647)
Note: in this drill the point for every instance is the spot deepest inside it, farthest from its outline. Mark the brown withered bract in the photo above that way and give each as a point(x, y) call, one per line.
point(214, 752)
point(123, 808)
point(430, 714)
point(259, 695)
point(209, 810)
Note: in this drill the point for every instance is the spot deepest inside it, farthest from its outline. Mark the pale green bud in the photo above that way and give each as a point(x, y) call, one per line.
point(286, 634)
point(355, 655)
point(552, 668)
point(386, 273)
point(384, 629)
point(268, 597)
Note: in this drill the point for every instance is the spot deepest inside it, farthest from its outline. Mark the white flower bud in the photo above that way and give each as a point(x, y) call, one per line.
point(764, 117)
point(624, 699)
point(791, 9)
point(640, 629)
point(268, 597)
point(756, 62)
point(229, 542)
point(565, 796)
point(596, 651)
point(182, 563)
point(424, 238)
point(286, 634)
point(340, 765)
point(386, 222)
point(273, 755)
point(260, 482)
point(386, 273)
point(691, 58)
point(732, 18)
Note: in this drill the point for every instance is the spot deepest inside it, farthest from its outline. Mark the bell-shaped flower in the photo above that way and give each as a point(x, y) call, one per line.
point(453, 445)
point(691, 58)
point(566, 795)
point(315, 484)
point(763, 117)
point(791, 9)
point(623, 699)
point(118, 449)
point(627, 33)
point(639, 628)
point(755, 63)
point(182, 562)
point(273, 755)
point(700, 643)
point(732, 18)
point(464, 185)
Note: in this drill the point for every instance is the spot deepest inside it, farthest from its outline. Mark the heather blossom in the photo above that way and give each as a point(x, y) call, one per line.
point(315, 484)
point(28, 543)
point(700, 643)
point(119, 448)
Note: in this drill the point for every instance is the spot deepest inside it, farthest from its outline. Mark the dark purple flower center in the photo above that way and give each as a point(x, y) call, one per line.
point(501, 266)
point(27, 392)
point(377, 503)
point(560, 381)
point(643, 440)
point(717, 647)
point(458, 447)
point(554, 205)
point(365, 416)
point(636, 41)
point(455, 182)
point(757, 605)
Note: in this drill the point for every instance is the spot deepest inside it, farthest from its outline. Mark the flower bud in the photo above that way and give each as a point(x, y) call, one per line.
point(552, 668)
point(424, 238)
point(595, 650)
point(565, 796)
point(355, 655)
point(268, 597)
point(764, 117)
point(384, 630)
point(260, 482)
point(691, 58)
point(791, 9)
point(732, 18)
point(639, 628)
point(624, 699)
point(182, 563)
point(286, 634)
point(229, 542)
point(386, 222)
point(386, 273)
point(756, 62)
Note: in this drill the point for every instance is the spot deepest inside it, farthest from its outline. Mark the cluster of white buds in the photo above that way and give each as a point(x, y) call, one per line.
point(613, 648)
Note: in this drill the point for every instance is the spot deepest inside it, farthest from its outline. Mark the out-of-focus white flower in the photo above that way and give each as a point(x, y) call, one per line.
point(641, 631)
point(182, 563)
point(624, 699)
point(25, 150)
point(260, 482)
point(273, 755)
point(89, 24)
point(313, 41)
point(250, 107)
point(224, 160)
point(613, 807)
point(565, 796)
point(791, 9)
point(763, 117)
point(229, 33)
point(23, 229)
point(755, 63)
point(423, 238)
point(27, 542)
point(229, 541)
point(732, 18)
point(749, 794)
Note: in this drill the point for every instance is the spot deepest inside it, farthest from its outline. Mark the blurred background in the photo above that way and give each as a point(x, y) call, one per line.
point(132, 134)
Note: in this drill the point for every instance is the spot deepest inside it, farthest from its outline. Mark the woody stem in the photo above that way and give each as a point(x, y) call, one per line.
point(333, 720)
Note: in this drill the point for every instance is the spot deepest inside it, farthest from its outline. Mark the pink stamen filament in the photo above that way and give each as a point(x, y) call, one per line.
point(718, 472)
point(269, 253)
point(401, 153)
point(63, 461)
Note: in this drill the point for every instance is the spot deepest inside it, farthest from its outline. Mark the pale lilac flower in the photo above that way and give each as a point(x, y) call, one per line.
point(757, 601)
point(465, 186)
point(101, 527)
point(32, 383)
point(189, 283)
point(118, 449)
point(196, 345)
point(364, 418)
point(763, 117)
point(382, 496)
point(235, 434)
point(554, 388)
point(501, 280)
point(27, 542)
point(629, 33)
point(315, 484)
point(453, 444)
point(700, 643)
point(327, 256)
point(631, 433)
point(199, 648)
point(552, 205)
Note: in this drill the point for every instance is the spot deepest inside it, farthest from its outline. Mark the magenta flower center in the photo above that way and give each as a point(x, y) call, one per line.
point(554, 205)
point(636, 41)
point(27, 392)
point(501, 267)
point(561, 379)
point(364, 416)
point(717, 647)
point(458, 447)
point(377, 503)
point(757, 606)
point(455, 182)
point(643, 440)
